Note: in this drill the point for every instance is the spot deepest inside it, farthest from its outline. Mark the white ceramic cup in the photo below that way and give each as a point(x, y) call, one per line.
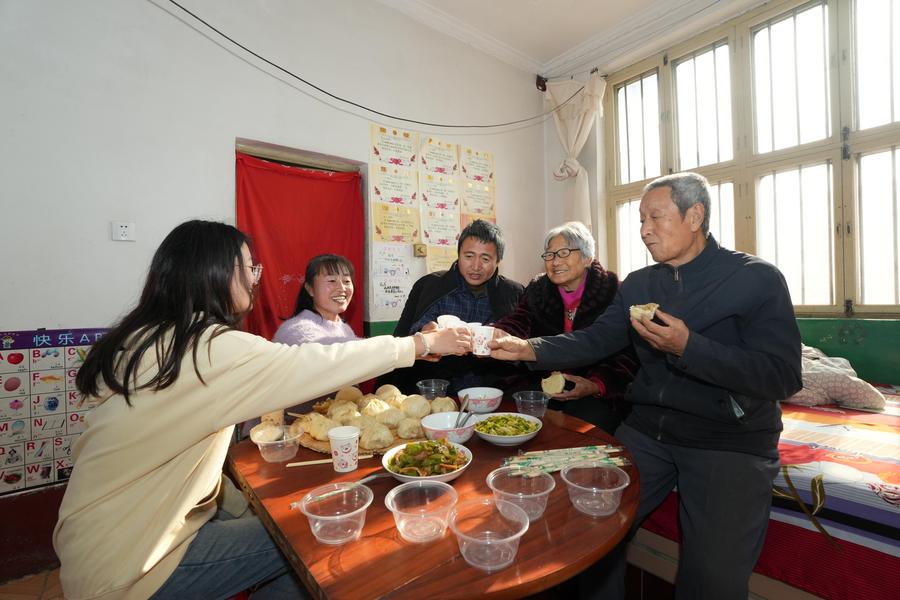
point(481, 335)
point(344, 442)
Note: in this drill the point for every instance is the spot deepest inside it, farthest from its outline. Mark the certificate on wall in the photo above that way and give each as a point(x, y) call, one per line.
point(478, 199)
point(393, 185)
point(389, 294)
point(394, 223)
point(439, 258)
point(477, 165)
point(391, 146)
point(439, 157)
point(440, 227)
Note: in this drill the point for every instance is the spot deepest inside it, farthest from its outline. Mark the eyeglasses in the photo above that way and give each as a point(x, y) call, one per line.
point(256, 270)
point(562, 253)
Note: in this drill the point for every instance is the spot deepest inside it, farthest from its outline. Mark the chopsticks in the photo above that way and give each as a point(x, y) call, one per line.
point(550, 461)
point(323, 461)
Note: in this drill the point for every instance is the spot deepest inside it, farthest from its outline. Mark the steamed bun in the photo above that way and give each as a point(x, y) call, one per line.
point(416, 406)
point(410, 429)
point(376, 437)
point(374, 407)
point(387, 391)
point(443, 404)
point(337, 410)
point(363, 422)
point(348, 394)
point(390, 417)
point(362, 401)
point(318, 425)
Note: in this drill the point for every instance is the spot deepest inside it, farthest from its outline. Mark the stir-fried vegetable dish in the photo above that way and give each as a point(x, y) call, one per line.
point(421, 459)
point(506, 425)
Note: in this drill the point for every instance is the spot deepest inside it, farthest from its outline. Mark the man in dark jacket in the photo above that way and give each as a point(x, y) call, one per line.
point(705, 413)
point(473, 290)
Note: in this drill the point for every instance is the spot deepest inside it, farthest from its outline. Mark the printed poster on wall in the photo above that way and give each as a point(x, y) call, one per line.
point(477, 165)
point(393, 185)
point(439, 258)
point(391, 146)
point(478, 199)
point(393, 223)
point(439, 157)
point(41, 413)
point(440, 209)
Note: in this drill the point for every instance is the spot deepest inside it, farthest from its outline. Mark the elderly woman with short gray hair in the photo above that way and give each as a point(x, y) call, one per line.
point(571, 293)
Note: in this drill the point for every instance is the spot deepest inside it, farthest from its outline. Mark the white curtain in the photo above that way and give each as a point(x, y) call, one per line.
point(573, 125)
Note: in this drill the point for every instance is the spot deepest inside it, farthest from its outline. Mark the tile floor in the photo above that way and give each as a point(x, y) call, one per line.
point(43, 586)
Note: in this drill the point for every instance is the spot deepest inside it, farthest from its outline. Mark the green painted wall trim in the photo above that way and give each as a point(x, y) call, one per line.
point(379, 328)
point(871, 345)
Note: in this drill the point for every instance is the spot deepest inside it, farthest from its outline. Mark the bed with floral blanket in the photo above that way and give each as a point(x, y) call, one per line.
point(835, 525)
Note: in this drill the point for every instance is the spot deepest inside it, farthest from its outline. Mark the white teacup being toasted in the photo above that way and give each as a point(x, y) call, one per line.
point(450, 321)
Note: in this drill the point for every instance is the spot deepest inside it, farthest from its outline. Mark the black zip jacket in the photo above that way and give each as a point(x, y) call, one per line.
point(742, 355)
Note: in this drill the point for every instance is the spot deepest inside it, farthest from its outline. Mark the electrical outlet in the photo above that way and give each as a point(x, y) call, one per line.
point(123, 231)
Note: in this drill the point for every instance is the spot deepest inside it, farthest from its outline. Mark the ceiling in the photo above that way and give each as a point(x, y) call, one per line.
point(556, 38)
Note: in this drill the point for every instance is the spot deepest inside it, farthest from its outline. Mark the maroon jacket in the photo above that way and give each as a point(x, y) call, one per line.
point(540, 313)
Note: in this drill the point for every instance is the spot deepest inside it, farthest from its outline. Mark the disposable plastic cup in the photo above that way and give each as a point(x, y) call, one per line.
point(276, 450)
point(528, 490)
point(450, 321)
point(421, 509)
point(595, 488)
point(531, 403)
point(337, 511)
point(481, 336)
point(432, 388)
point(488, 532)
point(344, 442)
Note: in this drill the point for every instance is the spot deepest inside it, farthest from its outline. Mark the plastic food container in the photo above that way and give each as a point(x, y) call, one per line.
point(432, 388)
point(595, 488)
point(528, 490)
point(488, 532)
point(440, 425)
point(337, 511)
point(278, 450)
point(531, 403)
point(421, 509)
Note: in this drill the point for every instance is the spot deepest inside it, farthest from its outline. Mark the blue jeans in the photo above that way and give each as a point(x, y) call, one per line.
point(230, 555)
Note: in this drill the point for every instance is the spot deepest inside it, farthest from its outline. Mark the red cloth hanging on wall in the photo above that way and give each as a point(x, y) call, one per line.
point(293, 214)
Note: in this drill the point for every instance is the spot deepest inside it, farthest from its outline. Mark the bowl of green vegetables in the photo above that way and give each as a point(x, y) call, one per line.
point(507, 429)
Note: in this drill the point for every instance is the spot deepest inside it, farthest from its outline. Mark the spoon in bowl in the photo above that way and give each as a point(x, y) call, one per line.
point(463, 405)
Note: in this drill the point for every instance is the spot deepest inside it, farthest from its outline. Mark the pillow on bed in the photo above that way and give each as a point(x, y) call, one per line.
point(827, 380)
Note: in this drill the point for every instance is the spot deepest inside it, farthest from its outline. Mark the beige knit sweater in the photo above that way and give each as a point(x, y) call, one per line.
point(146, 476)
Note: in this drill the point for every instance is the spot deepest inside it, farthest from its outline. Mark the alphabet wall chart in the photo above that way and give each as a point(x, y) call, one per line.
point(41, 413)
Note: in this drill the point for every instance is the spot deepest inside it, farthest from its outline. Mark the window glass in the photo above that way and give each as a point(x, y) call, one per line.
point(793, 215)
point(790, 80)
point(879, 224)
point(637, 109)
point(632, 252)
point(877, 88)
point(703, 103)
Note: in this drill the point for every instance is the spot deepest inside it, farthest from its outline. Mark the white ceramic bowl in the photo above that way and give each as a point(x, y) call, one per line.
point(278, 450)
point(507, 440)
point(482, 399)
point(595, 488)
point(385, 460)
point(440, 425)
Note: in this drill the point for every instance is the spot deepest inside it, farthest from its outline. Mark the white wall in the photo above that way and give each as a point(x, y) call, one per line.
point(118, 110)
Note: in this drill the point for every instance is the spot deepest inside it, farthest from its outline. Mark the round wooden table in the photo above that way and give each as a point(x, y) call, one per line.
point(559, 545)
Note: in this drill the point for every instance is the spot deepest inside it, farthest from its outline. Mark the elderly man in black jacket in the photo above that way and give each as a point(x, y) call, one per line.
point(705, 415)
point(472, 290)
